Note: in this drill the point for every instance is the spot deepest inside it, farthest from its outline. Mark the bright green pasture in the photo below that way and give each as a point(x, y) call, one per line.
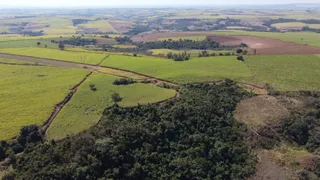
point(29, 94)
point(194, 70)
point(100, 25)
point(28, 43)
point(86, 106)
point(79, 57)
point(309, 38)
point(287, 72)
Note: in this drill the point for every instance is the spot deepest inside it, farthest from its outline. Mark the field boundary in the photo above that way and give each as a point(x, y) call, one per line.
point(58, 107)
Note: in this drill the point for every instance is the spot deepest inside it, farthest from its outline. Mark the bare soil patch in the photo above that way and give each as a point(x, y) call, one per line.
point(258, 44)
point(267, 169)
point(260, 111)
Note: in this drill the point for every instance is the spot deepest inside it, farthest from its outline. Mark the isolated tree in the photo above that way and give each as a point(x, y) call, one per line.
point(245, 52)
point(38, 43)
point(239, 51)
point(61, 46)
point(240, 58)
point(116, 97)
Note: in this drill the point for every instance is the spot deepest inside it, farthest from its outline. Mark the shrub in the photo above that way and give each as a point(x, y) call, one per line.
point(123, 81)
point(240, 58)
point(116, 97)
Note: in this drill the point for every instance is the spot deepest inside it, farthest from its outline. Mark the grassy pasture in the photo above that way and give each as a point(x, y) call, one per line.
point(314, 26)
point(86, 106)
point(79, 57)
point(29, 94)
point(309, 38)
point(194, 70)
point(287, 72)
point(100, 25)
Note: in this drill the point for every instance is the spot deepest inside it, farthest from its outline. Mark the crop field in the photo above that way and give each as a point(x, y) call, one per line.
point(314, 26)
point(286, 72)
point(100, 25)
point(79, 57)
point(194, 70)
point(289, 25)
point(29, 94)
point(28, 43)
point(312, 39)
point(86, 106)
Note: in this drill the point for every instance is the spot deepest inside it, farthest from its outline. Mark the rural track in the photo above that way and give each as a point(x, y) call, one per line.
point(68, 64)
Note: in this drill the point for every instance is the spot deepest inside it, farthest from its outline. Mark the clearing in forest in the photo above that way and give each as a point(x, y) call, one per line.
point(93, 96)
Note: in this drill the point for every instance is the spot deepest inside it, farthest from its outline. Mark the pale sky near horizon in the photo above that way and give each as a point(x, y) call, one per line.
point(142, 2)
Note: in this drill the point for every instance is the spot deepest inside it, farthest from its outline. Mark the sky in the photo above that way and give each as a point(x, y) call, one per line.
point(106, 3)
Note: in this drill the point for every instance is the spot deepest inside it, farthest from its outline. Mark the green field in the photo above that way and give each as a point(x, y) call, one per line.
point(194, 70)
point(86, 106)
point(28, 43)
point(29, 94)
point(79, 57)
point(287, 72)
point(314, 26)
point(100, 25)
point(309, 38)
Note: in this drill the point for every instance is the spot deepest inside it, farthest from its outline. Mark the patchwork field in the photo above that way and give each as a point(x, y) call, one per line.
point(295, 25)
point(98, 26)
point(79, 57)
point(309, 38)
point(287, 72)
point(86, 106)
point(194, 70)
point(29, 94)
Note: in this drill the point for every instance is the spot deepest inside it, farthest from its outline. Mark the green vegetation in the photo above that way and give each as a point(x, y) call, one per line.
point(29, 94)
point(28, 43)
point(309, 38)
point(195, 137)
point(79, 57)
point(15, 61)
point(194, 70)
point(193, 53)
point(86, 106)
point(286, 72)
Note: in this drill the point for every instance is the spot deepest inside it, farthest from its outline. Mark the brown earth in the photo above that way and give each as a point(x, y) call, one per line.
point(260, 44)
point(260, 111)
point(266, 45)
point(267, 169)
point(121, 27)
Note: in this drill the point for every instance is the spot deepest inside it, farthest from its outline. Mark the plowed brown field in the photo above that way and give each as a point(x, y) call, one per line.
point(259, 44)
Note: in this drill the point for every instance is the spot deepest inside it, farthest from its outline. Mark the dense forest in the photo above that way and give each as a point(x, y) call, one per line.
point(183, 44)
point(191, 137)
